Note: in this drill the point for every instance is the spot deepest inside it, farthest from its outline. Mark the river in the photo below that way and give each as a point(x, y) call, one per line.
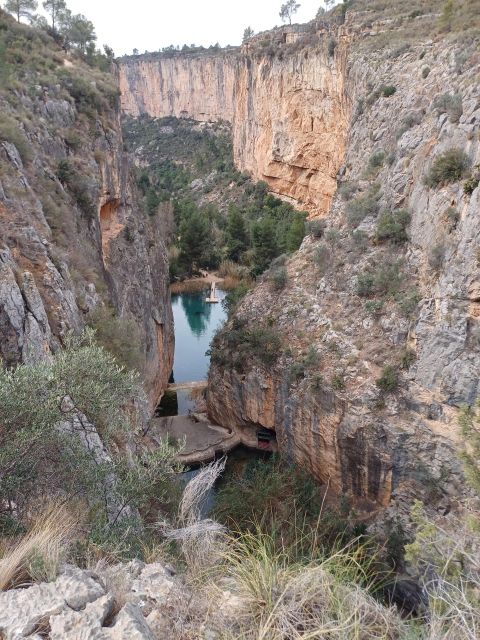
point(196, 322)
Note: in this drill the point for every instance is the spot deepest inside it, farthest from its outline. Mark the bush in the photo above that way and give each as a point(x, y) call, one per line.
point(10, 132)
point(448, 167)
point(436, 256)
point(376, 160)
point(347, 190)
point(34, 452)
point(237, 345)
point(388, 381)
point(316, 228)
point(411, 120)
point(321, 257)
point(385, 280)
point(392, 226)
point(388, 90)
point(78, 187)
point(451, 104)
point(425, 72)
point(361, 207)
point(119, 336)
point(278, 278)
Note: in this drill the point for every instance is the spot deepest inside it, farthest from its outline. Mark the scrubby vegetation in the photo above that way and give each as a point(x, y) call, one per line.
point(219, 212)
point(49, 446)
point(451, 166)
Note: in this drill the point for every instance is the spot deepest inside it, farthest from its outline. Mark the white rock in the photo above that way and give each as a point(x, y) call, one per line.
point(22, 609)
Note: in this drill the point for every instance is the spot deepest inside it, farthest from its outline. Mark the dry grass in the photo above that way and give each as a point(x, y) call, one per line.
point(38, 555)
point(193, 285)
point(200, 538)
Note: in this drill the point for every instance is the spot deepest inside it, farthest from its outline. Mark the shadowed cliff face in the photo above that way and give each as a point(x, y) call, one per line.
point(73, 239)
point(289, 115)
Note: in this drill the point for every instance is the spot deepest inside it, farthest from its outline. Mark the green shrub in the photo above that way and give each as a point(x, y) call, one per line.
point(436, 256)
point(278, 278)
point(451, 104)
point(37, 456)
point(322, 257)
point(411, 120)
point(384, 280)
point(316, 228)
point(389, 379)
point(238, 345)
point(361, 207)
point(448, 167)
point(78, 186)
point(365, 284)
point(388, 90)
point(119, 336)
point(338, 381)
point(376, 160)
point(374, 307)
point(425, 72)
point(11, 132)
point(473, 181)
point(392, 226)
point(347, 190)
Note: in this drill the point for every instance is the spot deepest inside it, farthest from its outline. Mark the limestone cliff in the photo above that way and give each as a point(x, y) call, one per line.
point(72, 237)
point(289, 114)
point(366, 296)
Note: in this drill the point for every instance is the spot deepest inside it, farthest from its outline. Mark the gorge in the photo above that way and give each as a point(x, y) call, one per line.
point(328, 176)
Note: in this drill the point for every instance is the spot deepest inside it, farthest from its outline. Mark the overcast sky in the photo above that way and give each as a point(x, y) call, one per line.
point(151, 24)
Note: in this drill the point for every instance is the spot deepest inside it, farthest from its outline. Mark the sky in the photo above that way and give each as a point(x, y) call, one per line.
point(148, 25)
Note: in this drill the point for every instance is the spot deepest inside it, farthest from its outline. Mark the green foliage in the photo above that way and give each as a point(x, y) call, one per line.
point(316, 228)
point(234, 297)
point(375, 161)
point(236, 234)
point(237, 345)
point(194, 242)
point(412, 119)
point(119, 336)
point(425, 72)
point(448, 167)
point(473, 181)
point(389, 379)
point(21, 8)
point(436, 256)
point(338, 381)
point(281, 497)
point(362, 206)
point(347, 189)
point(374, 307)
point(288, 9)
point(469, 422)
point(322, 257)
point(451, 104)
point(392, 226)
point(278, 278)
point(33, 445)
point(11, 132)
point(384, 280)
point(388, 90)
point(78, 186)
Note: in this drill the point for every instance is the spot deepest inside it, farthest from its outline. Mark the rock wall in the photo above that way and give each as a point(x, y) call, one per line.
point(417, 313)
point(68, 247)
point(289, 113)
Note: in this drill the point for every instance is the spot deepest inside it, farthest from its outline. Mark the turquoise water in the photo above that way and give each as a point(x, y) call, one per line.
point(196, 322)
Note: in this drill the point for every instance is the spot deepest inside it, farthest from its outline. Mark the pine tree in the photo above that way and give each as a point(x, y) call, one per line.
point(237, 236)
point(21, 8)
point(54, 8)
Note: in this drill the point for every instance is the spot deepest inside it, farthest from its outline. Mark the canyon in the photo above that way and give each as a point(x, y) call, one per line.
point(289, 116)
point(328, 118)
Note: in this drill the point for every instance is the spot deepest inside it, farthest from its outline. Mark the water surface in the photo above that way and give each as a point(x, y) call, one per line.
point(196, 322)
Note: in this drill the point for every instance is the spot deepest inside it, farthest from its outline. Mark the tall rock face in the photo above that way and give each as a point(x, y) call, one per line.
point(73, 240)
point(375, 337)
point(289, 114)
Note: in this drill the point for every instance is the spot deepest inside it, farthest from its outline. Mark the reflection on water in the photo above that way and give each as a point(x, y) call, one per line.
point(197, 313)
point(196, 322)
